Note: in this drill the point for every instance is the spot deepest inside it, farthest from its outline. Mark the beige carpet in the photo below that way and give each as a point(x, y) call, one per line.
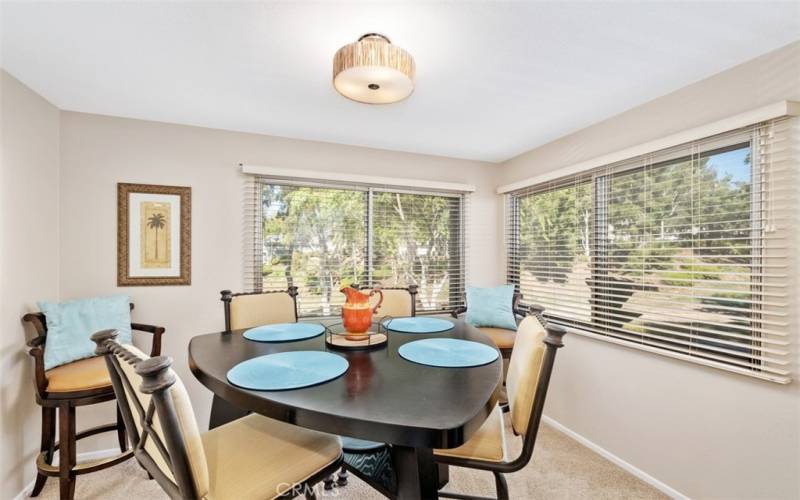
point(560, 468)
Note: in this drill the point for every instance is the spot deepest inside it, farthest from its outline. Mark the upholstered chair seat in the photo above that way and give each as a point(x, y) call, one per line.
point(503, 339)
point(488, 443)
point(81, 375)
point(254, 454)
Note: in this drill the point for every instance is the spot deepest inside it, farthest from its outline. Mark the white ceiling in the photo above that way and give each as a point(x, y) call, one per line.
point(493, 79)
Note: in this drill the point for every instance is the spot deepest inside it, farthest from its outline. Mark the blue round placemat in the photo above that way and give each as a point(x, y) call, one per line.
point(418, 324)
point(448, 353)
point(287, 370)
point(284, 332)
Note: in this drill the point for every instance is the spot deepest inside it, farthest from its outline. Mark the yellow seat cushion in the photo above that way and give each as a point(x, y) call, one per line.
point(81, 375)
point(502, 338)
point(257, 457)
point(489, 443)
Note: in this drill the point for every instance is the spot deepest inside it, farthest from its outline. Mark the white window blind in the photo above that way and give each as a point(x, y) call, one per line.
point(684, 252)
point(320, 237)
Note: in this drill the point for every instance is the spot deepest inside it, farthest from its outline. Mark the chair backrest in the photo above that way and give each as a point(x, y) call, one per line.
point(398, 302)
point(246, 310)
point(528, 378)
point(523, 372)
point(158, 417)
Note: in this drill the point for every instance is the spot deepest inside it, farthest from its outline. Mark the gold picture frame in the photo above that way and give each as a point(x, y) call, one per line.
point(154, 235)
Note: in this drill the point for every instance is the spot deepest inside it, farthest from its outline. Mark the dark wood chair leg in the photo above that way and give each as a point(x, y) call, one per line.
point(48, 443)
point(66, 451)
point(121, 435)
point(342, 479)
point(39, 484)
point(223, 412)
point(444, 475)
point(328, 482)
point(501, 486)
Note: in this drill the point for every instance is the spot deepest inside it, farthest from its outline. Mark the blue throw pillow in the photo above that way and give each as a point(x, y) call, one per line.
point(491, 307)
point(71, 324)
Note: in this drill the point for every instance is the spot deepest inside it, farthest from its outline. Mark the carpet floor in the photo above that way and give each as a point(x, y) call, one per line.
point(561, 468)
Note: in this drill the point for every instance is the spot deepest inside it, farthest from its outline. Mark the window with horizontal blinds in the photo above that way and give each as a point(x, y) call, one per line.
point(320, 237)
point(684, 252)
point(418, 239)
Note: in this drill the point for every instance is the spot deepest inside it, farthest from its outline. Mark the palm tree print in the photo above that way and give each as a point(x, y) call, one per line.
point(156, 222)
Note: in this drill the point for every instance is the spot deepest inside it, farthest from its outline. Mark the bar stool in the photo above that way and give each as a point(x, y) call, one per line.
point(64, 388)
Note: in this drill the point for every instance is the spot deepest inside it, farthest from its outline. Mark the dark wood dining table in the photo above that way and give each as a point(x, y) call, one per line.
point(382, 397)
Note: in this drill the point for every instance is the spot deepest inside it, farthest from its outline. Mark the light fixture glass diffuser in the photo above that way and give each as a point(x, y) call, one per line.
point(373, 71)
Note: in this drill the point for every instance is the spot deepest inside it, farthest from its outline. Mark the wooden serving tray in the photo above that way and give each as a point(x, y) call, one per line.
point(339, 341)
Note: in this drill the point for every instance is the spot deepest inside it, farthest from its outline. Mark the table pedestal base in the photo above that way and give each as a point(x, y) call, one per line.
point(417, 473)
point(223, 412)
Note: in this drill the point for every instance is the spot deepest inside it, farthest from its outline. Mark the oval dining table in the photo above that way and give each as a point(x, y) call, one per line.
point(381, 397)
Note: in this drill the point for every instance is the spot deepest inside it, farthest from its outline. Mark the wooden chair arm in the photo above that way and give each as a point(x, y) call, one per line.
point(535, 309)
point(458, 310)
point(157, 332)
point(35, 348)
point(532, 310)
point(36, 342)
point(38, 321)
point(36, 351)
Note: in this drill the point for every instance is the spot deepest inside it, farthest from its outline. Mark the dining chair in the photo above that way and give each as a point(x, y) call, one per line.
point(61, 390)
point(528, 379)
point(249, 309)
point(504, 338)
point(253, 457)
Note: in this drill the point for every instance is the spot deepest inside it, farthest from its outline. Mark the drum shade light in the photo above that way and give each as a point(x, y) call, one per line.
point(373, 71)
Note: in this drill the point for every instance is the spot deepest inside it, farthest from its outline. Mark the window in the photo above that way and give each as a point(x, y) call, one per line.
point(682, 252)
point(322, 237)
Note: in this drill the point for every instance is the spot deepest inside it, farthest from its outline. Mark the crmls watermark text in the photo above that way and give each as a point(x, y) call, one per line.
point(297, 489)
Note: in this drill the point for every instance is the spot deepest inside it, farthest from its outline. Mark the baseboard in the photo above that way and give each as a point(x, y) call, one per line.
point(632, 469)
point(81, 457)
point(22, 495)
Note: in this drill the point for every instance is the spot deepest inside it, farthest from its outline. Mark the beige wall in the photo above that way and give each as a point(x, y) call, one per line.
point(99, 151)
point(705, 433)
point(28, 264)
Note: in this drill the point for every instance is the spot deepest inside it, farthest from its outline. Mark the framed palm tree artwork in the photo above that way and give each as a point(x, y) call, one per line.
point(154, 232)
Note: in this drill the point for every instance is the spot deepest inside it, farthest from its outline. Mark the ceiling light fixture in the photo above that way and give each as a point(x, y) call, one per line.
point(373, 71)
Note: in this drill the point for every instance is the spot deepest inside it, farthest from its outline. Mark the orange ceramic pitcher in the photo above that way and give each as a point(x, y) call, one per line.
point(356, 312)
